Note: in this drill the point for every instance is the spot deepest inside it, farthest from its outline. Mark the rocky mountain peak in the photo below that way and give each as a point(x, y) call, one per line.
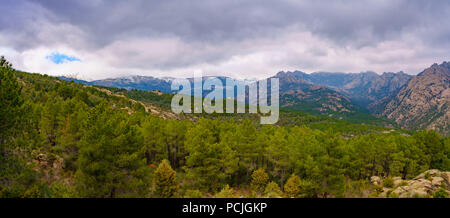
point(424, 102)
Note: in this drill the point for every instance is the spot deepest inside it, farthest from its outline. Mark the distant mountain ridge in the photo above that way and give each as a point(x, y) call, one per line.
point(295, 93)
point(414, 102)
point(299, 92)
point(147, 83)
point(367, 88)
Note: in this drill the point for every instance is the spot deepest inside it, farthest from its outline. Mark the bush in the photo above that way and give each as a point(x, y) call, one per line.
point(273, 190)
point(428, 176)
point(390, 194)
point(388, 182)
point(259, 180)
point(307, 189)
point(62, 190)
point(292, 187)
point(441, 193)
point(193, 194)
point(165, 180)
point(226, 192)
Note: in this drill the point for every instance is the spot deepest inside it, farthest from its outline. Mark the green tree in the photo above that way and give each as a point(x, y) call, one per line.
point(17, 179)
point(110, 163)
point(441, 193)
point(211, 161)
point(192, 194)
point(165, 180)
point(278, 153)
point(226, 192)
point(152, 129)
point(308, 189)
point(246, 149)
point(259, 180)
point(292, 186)
point(10, 101)
point(433, 146)
point(272, 190)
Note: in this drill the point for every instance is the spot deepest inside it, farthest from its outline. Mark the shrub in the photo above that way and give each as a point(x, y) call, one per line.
point(441, 193)
point(388, 182)
point(273, 190)
point(193, 194)
point(226, 192)
point(165, 180)
point(259, 181)
point(292, 187)
point(307, 189)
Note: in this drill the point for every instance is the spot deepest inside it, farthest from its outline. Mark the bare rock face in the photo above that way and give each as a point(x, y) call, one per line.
point(424, 102)
point(424, 185)
point(397, 181)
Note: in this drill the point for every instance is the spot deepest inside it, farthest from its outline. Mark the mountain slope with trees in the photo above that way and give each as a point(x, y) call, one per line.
point(71, 140)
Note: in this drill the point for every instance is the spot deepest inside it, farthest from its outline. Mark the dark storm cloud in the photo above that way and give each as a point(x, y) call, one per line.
point(236, 19)
point(184, 33)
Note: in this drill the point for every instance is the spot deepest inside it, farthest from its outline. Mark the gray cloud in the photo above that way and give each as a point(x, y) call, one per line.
point(175, 37)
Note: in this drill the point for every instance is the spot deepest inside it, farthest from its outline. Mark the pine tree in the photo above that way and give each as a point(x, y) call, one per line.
point(259, 180)
point(211, 161)
point(292, 187)
point(165, 180)
point(110, 163)
point(307, 189)
point(226, 192)
point(278, 153)
point(10, 100)
point(17, 179)
point(273, 190)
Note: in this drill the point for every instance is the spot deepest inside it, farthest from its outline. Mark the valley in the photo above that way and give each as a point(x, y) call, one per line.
point(68, 139)
point(361, 98)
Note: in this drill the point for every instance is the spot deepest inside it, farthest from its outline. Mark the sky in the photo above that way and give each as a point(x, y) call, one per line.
point(97, 39)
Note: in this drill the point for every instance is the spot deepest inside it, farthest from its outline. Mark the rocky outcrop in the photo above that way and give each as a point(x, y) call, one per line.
point(50, 165)
point(383, 89)
point(424, 102)
point(376, 180)
point(424, 185)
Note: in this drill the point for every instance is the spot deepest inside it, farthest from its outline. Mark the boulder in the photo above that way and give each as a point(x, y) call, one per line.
point(423, 185)
point(420, 192)
point(376, 180)
point(436, 182)
point(397, 181)
point(42, 160)
point(429, 173)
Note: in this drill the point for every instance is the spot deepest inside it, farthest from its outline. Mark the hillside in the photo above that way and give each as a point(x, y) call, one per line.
point(65, 139)
point(295, 94)
point(132, 82)
point(367, 89)
point(298, 94)
point(424, 102)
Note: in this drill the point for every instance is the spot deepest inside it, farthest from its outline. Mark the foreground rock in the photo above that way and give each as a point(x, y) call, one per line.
point(424, 185)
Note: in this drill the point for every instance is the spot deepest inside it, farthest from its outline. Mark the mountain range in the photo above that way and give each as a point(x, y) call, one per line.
point(424, 102)
point(413, 102)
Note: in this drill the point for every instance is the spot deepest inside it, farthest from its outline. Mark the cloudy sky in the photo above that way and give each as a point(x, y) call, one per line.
point(95, 39)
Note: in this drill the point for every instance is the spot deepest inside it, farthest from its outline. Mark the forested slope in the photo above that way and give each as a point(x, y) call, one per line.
point(63, 139)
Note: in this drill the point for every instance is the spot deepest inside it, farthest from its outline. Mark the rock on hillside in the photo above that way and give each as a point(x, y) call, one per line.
point(424, 185)
point(424, 102)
